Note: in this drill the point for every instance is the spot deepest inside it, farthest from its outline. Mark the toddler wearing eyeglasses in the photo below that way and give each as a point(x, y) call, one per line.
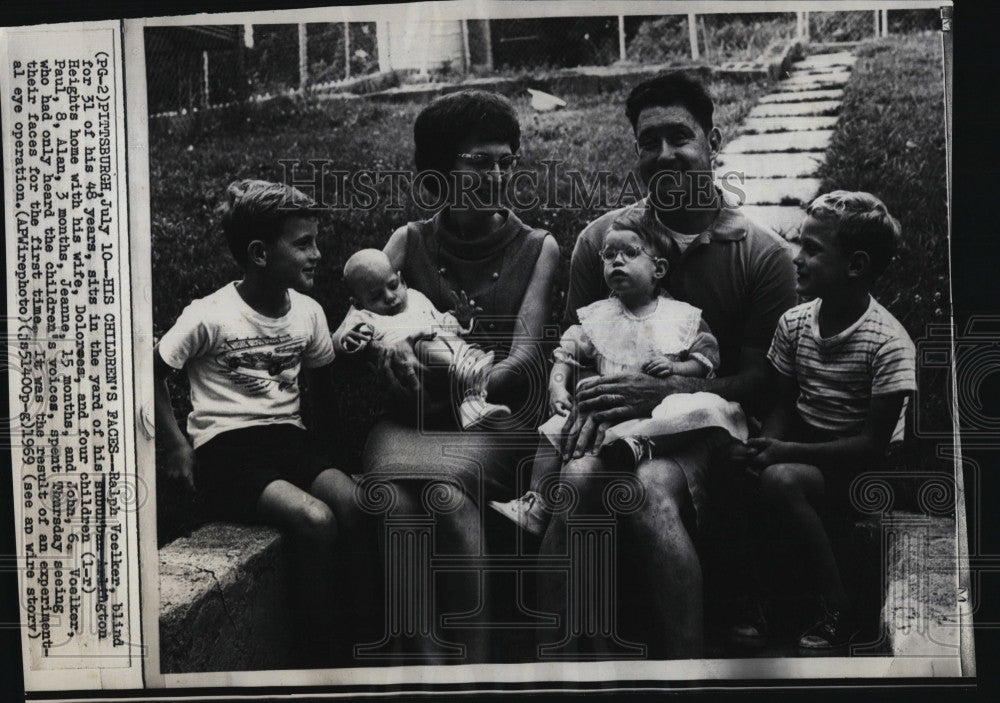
point(640, 328)
point(385, 310)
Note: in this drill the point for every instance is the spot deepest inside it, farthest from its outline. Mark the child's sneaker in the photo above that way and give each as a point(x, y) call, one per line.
point(834, 631)
point(475, 411)
point(626, 453)
point(751, 630)
point(528, 512)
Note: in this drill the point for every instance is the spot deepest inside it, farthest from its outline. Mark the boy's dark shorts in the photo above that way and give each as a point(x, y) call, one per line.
point(233, 468)
point(838, 481)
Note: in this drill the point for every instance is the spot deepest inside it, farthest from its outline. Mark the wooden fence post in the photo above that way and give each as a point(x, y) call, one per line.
point(621, 38)
point(303, 57)
point(466, 59)
point(693, 36)
point(347, 50)
point(885, 23)
point(204, 69)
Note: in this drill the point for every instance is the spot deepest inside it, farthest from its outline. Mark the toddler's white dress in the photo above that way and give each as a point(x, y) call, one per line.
point(614, 341)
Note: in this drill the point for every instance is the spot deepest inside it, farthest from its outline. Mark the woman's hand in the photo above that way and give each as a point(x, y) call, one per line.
point(399, 366)
point(465, 310)
point(357, 338)
point(560, 401)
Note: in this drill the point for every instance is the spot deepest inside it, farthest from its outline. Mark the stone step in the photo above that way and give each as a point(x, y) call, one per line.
point(841, 58)
point(762, 125)
point(816, 140)
point(779, 165)
point(808, 81)
point(803, 96)
point(779, 191)
point(800, 109)
point(783, 219)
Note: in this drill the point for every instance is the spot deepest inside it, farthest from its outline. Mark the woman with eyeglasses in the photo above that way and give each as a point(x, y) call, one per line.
point(639, 329)
point(473, 247)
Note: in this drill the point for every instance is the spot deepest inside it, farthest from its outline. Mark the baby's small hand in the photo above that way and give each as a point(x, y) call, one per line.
point(465, 310)
point(560, 401)
point(659, 366)
point(358, 338)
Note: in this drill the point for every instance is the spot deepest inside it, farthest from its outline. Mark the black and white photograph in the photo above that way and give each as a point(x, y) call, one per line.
point(497, 346)
point(534, 339)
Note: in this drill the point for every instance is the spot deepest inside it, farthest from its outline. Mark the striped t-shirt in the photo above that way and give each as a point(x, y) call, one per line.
point(838, 375)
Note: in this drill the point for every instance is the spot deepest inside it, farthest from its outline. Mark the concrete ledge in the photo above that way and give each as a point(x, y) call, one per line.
point(224, 601)
point(921, 612)
point(224, 604)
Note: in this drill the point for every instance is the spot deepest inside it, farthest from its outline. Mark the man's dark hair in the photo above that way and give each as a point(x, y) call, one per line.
point(451, 119)
point(256, 210)
point(673, 88)
point(862, 223)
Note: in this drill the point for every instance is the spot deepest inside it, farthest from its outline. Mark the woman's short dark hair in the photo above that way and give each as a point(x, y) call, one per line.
point(673, 88)
point(451, 119)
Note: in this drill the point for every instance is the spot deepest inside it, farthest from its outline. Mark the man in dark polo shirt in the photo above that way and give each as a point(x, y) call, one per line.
point(741, 276)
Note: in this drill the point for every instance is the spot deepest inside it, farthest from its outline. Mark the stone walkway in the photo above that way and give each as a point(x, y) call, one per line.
point(782, 143)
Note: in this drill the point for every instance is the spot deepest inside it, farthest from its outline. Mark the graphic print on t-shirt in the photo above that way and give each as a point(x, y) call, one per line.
point(254, 363)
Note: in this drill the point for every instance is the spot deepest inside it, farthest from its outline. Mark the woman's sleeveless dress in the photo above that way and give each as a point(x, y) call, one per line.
point(421, 442)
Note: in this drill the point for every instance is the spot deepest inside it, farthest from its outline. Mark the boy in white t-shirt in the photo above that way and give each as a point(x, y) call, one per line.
point(844, 368)
point(243, 348)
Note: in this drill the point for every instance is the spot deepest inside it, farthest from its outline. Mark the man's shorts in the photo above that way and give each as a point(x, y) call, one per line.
point(233, 468)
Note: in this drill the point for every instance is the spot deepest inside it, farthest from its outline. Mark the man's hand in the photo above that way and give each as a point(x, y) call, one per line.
point(659, 366)
point(179, 465)
point(465, 310)
point(399, 366)
point(603, 401)
point(357, 338)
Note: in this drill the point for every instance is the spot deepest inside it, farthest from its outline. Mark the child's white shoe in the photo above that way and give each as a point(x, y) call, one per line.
point(475, 412)
point(528, 512)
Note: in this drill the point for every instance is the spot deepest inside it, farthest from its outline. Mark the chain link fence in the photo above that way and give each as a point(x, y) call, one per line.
point(858, 25)
point(195, 67)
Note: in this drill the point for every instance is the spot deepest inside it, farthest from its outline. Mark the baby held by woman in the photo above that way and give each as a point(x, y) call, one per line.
point(385, 310)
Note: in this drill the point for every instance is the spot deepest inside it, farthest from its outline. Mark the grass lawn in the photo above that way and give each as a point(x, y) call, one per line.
point(890, 141)
point(190, 167)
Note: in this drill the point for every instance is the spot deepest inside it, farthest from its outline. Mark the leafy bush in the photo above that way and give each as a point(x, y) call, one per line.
point(890, 141)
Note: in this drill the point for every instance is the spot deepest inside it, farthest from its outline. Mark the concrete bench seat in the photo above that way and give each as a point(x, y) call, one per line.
point(224, 600)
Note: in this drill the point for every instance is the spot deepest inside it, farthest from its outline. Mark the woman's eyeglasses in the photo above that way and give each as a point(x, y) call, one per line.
point(485, 162)
point(629, 252)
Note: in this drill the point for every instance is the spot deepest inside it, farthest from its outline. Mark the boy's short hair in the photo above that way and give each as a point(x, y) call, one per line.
point(256, 209)
point(672, 88)
point(450, 119)
point(863, 223)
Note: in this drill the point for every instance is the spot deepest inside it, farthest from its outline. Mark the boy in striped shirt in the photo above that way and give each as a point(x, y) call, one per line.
point(844, 368)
